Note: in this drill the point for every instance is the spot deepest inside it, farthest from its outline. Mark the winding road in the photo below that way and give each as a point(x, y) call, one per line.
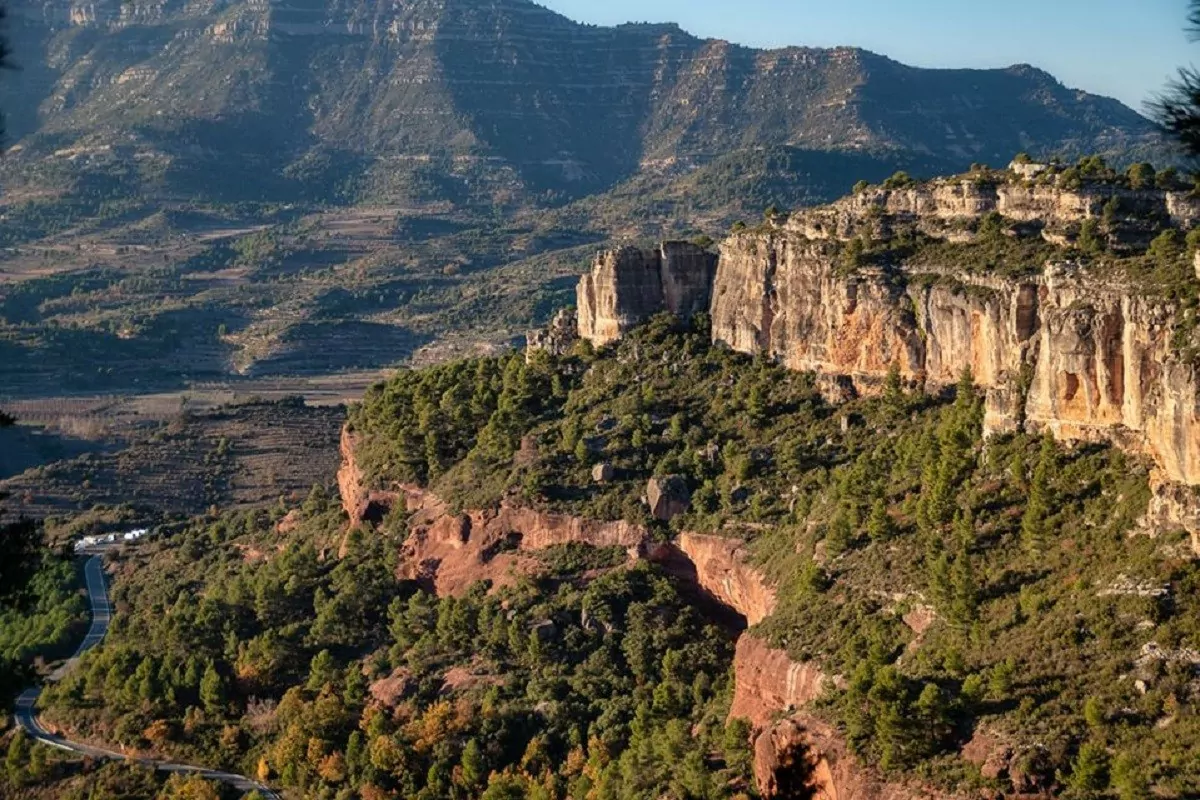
point(26, 708)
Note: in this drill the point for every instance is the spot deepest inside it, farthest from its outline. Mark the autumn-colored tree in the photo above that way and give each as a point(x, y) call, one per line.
point(159, 732)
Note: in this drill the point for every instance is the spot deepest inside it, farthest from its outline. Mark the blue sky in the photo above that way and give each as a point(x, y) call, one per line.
point(1122, 48)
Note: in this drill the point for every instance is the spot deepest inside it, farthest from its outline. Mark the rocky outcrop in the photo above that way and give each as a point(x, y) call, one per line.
point(804, 757)
point(1063, 351)
point(721, 569)
point(361, 503)
point(449, 551)
point(668, 497)
point(796, 754)
point(941, 207)
point(629, 285)
point(557, 338)
point(769, 683)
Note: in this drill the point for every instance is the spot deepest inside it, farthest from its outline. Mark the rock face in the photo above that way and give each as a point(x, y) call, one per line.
point(629, 285)
point(937, 208)
point(770, 683)
point(1096, 360)
point(603, 473)
point(721, 569)
point(361, 503)
point(449, 552)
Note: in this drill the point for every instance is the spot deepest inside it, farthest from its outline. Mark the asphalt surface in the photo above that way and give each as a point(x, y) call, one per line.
point(26, 708)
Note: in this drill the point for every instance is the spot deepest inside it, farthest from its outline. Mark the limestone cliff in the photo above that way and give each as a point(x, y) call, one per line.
point(628, 285)
point(1062, 351)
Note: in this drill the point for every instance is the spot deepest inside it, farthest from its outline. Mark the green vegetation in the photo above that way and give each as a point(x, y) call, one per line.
point(332, 678)
point(1017, 555)
point(40, 605)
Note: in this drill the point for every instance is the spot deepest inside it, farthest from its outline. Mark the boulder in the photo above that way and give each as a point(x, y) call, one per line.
point(603, 473)
point(389, 691)
point(668, 497)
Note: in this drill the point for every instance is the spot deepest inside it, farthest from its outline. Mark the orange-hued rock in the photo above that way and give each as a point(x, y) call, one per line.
point(351, 484)
point(1066, 351)
point(451, 551)
point(795, 754)
point(769, 683)
point(361, 503)
point(804, 757)
point(721, 570)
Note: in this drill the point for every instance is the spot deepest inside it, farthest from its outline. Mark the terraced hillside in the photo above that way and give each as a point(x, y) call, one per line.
point(249, 454)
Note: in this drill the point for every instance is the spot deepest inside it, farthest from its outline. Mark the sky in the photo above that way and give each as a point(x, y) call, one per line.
point(1128, 49)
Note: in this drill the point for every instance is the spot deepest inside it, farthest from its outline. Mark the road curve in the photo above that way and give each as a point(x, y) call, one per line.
point(26, 707)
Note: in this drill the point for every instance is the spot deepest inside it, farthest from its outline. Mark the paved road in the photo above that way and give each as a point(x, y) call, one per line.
point(26, 709)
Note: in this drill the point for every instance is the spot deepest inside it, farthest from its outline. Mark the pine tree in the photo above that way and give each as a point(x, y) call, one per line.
point(940, 586)
point(1089, 774)
point(212, 690)
point(17, 757)
point(840, 534)
point(893, 386)
point(1129, 778)
point(965, 592)
point(879, 524)
point(474, 767)
point(1033, 522)
point(322, 670)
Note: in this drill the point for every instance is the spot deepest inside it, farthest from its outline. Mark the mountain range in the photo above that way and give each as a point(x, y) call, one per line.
point(479, 103)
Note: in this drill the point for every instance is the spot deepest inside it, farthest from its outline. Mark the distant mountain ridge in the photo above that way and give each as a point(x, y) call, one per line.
point(479, 102)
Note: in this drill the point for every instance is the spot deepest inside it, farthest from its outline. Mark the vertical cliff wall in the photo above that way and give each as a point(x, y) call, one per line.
point(1063, 350)
point(628, 285)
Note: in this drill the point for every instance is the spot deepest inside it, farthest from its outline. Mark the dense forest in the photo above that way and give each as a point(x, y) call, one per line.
point(247, 650)
point(290, 651)
point(1054, 625)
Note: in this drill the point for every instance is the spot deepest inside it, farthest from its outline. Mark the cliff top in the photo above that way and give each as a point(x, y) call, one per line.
point(1136, 230)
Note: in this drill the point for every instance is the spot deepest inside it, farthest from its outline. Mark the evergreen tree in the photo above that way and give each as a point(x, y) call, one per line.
point(840, 534)
point(965, 592)
point(1089, 774)
point(474, 767)
point(879, 524)
point(212, 690)
point(893, 386)
point(17, 757)
point(321, 671)
point(1178, 110)
point(1129, 778)
point(1033, 522)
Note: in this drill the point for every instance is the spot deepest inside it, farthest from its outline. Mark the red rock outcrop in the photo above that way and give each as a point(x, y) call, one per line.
point(359, 501)
point(721, 570)
point(803, 757)
point(450, 551)
point(770, 683)
point(795, 754)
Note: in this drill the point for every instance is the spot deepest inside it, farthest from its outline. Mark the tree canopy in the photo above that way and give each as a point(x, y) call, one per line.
point(1178, 108)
